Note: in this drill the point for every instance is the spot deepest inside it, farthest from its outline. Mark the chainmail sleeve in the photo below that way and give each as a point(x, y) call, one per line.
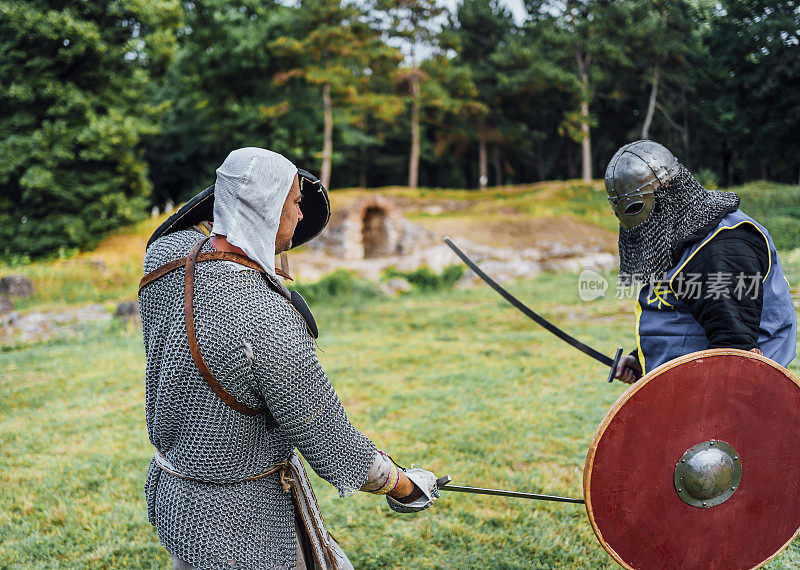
point(305, 405)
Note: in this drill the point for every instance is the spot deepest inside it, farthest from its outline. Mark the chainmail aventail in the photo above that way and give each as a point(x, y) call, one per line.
point(684, 212)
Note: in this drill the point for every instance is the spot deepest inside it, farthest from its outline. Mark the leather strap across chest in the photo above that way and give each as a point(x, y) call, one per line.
point(190, 262)
point(210, 256)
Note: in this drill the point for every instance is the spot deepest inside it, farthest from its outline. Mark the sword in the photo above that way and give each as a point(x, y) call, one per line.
point(541, 321)
point(443, 484)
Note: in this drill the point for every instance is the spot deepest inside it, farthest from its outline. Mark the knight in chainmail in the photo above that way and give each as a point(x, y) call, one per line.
point(710, 275)
point(224, 411)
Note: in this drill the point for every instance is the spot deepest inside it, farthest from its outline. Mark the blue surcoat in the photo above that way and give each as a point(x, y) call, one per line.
point(666, 329)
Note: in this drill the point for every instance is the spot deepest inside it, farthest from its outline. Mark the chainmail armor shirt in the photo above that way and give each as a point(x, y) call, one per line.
point(260, 351)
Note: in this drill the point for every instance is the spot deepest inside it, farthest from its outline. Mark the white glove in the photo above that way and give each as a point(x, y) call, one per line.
point(426, 482)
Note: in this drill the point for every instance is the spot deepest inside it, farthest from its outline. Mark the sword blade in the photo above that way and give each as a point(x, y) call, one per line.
point(535, 317)
point(515, 494)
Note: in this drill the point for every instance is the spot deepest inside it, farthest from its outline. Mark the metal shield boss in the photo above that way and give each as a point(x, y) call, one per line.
point(697, 465)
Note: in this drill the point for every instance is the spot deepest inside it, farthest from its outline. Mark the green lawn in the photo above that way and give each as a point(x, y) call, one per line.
point(453, 380)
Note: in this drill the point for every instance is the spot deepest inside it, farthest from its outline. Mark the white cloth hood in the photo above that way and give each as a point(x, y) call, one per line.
point(252, 185)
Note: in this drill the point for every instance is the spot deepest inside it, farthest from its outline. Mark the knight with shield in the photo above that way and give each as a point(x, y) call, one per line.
point(710, 274)
point(696, 464)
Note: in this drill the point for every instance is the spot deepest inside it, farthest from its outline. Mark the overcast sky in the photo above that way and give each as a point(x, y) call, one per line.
point(514, 6)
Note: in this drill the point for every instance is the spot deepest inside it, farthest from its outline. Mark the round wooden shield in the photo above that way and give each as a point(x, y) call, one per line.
point(697, 465)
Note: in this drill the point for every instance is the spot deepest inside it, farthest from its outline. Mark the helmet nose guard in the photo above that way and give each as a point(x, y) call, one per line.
point(632, 176)
point(314, 203)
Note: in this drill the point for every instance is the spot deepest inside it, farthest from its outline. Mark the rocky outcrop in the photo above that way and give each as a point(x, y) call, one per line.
point(16, 286)
point(508, 264)
point(394, 287)
point(371, 227)
point(6, 305)
point(41, 325)
point(127, 310)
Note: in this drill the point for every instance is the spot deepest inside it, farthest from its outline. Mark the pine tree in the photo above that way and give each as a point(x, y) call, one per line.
point(482, 29)
point(415, 22)
point(335, 48)
point(577, 35)
point(75, 87)
point(753, 90)
point(221, 96)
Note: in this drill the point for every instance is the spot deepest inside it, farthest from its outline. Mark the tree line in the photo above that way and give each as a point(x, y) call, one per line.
point(108, 107)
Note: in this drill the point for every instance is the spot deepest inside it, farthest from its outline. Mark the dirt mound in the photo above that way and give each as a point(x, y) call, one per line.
point(521, 232)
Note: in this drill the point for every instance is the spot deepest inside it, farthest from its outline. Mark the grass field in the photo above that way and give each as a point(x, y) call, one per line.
point(452, 380)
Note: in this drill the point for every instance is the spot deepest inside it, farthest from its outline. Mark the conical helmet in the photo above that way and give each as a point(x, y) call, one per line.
point(633, 175)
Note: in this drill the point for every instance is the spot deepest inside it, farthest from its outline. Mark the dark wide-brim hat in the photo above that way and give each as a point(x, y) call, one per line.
point(314, 203)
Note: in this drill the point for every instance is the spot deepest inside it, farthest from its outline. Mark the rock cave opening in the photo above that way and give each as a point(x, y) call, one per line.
point(375, 232)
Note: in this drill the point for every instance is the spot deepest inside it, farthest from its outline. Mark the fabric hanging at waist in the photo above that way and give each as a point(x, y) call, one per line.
point(166, 465)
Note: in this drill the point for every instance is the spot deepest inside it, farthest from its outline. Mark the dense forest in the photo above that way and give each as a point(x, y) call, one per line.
point(110, 106)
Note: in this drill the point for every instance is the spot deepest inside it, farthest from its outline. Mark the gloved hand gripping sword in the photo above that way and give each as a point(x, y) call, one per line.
point(428, 487)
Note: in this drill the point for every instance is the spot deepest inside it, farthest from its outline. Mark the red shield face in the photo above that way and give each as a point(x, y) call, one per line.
point(697, 465)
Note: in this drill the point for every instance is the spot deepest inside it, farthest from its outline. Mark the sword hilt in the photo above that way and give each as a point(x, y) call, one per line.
point(617, 356)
